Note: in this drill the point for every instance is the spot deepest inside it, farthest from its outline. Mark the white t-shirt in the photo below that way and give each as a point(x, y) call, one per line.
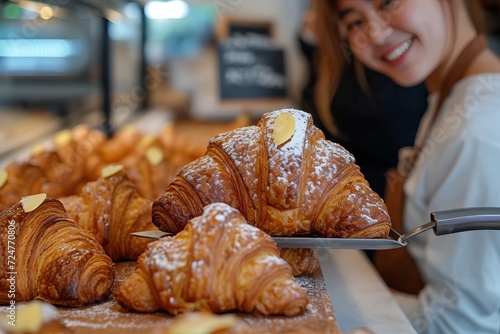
point(458, 168)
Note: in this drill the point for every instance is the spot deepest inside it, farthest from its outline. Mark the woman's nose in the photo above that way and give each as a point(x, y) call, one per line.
point(378, 29)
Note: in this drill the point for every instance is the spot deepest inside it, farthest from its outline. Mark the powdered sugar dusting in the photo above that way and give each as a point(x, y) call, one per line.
point(329, 160)
point(295, 145)
point(368, 209)
point(109, 317)
point(222, 218)
point(165, 259)
point(242, 146)
point(192, 175)
point(212, 184)
point(285, 160)
point(271, 260)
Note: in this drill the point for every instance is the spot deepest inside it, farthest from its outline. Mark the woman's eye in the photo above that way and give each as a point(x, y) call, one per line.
point(387, 4)
point(353, 24)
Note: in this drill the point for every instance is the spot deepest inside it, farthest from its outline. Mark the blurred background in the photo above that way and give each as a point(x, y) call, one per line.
point(106, 62)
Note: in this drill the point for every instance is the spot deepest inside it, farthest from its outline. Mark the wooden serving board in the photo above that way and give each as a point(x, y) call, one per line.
point(109, 318)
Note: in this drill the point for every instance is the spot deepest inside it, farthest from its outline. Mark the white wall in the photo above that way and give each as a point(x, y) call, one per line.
point(199, 76)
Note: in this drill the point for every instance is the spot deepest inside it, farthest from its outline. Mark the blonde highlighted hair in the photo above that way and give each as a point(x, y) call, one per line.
point(331, 60)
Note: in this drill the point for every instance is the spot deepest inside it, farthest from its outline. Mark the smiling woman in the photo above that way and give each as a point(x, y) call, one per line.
point(457, 149)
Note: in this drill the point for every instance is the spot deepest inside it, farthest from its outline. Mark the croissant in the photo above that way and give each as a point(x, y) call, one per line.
point(150, 171)
point(217, 263)
point(111, 209)
point(303, 261)
point(78, 149)
point(59, 178)
point(123, 143)
point(45, 256)
point(20, 179)
point(306, 185)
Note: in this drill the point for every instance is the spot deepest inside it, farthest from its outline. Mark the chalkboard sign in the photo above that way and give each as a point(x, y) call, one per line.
point(244, 29)
point(251, 72)
point(232, 27)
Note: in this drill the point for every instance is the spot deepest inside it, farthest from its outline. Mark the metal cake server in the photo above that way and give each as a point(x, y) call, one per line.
point(441, 222)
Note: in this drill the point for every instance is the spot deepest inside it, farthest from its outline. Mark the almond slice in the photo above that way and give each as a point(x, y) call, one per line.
point(32, 316)
point(63, 138)
point(32, 202)
point(154, 156)
point(146, 141)
point(38, 149)
point(200, 323)
point(111, 170)
point(284, 127)
point(3, 177)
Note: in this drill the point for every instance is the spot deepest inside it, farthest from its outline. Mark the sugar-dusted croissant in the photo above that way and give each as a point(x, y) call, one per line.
point(44, 255)
point(217, 263)
point(111, 209)
point(305, 185)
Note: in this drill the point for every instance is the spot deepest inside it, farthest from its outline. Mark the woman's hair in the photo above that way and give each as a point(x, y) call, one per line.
point(334, 53)
point(477, 14)
point(331, 60)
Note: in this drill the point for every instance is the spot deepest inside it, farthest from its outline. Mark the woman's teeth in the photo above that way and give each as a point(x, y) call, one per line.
point(399, 51)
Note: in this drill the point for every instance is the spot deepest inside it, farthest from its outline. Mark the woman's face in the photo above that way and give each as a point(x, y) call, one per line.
point(404, 39)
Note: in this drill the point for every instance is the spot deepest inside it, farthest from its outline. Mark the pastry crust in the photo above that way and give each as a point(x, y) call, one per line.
point(307, 185)
point(303, 261)
point(217, 263)
point(23, 179)
point(112, 209)
point(55, 260)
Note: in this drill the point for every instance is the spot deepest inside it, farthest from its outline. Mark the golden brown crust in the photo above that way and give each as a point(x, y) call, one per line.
point(23, 179)
point(60, 179)
point(307, 185)
point(80, 152)
point(55, 260)
point(112, 209)
point(303, 261)
point(123, 143)
point(150, 179)
point(218, 263)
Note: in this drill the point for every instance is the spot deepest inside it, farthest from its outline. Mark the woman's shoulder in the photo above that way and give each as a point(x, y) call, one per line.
point(476, 89)
point(486, 62)
point(473, 106)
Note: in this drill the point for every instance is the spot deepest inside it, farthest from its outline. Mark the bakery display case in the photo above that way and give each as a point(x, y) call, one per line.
point(60, 66)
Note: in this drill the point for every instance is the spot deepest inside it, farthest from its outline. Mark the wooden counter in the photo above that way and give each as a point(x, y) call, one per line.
point(359, 296)
point(109, 318)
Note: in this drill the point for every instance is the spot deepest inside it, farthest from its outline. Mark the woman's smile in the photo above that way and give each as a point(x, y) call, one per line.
point(396, 55)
